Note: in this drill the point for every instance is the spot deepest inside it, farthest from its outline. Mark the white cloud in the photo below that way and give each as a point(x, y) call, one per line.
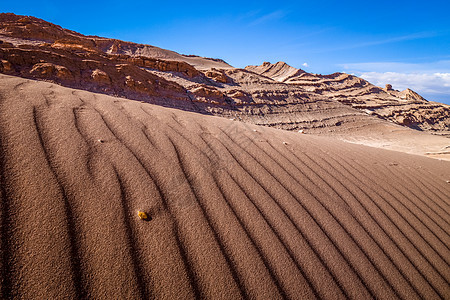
point(431, 79)
point(435, 83)
point(441, 66)
point(305, 65)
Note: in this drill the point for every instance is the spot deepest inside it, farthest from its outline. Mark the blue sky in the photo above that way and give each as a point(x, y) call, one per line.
point(405, 43)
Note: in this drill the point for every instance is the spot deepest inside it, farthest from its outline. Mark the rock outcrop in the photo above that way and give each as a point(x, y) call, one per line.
point(30, 29)
point(280, 71)
point(276, 95)
point(92, 71)
point(405, 108)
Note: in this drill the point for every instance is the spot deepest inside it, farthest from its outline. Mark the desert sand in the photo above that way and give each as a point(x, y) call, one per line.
point(235, 210)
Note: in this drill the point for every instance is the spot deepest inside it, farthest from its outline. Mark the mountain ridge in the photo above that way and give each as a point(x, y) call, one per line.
point(276, 95)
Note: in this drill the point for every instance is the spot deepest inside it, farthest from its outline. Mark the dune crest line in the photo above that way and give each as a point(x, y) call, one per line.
point(234, 210)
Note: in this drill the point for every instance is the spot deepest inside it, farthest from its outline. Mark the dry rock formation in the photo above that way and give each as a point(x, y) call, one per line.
point(405, 108)
point(275, 95)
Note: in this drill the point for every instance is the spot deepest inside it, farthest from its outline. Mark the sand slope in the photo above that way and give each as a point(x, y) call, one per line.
point(237, 210)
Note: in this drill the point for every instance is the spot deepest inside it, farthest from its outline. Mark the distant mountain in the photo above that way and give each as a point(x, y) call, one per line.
point(276, 95)
point(404, 108)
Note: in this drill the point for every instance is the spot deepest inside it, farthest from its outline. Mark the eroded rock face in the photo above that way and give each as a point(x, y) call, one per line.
point(276, 95)
point(87, 70)
point(30, 28)
point(34, 29)
point(49, 71)
point(280, 71)
point(206, 91)
point(218, 76)
point(405, 108)
point(100, 76)
point(5, 66)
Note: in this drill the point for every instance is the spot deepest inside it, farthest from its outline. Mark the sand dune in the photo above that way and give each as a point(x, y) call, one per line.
point(237, 210)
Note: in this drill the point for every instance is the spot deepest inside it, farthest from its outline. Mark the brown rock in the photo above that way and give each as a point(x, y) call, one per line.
point(409, 94)
point(129, 82)
point(272, 94)
point(137, 85)
point(5, 66)
point(100, 76)
point(49, 70)
point(4, 44)
point(74, 44)
point(217, 75)
point(237, 94)
point(63, 73)
point(404, 120)
point(25, 20)
point(164, 65)
point(207, 92)
point(113, 49)
point(43, 70)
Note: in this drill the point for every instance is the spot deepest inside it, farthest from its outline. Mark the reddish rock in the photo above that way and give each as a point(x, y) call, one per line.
point(404, 120)
point(63, 73)
point(78, 44)
point(43, 70)
point(218, 76)
point(237, 94)
point(100, 77)
point(5, 66)
point(137, 85)
point(207, 91)
point(42, 50)
point(49, 70)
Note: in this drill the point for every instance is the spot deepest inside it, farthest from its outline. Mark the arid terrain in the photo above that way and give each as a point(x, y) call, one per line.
point(257, 183)
point(275, 95)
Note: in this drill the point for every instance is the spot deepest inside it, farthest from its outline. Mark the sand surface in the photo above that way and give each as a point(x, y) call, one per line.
point(391, 136)
point(236, 210)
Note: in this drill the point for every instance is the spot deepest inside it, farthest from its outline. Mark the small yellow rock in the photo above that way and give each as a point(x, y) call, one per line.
point(142, 215)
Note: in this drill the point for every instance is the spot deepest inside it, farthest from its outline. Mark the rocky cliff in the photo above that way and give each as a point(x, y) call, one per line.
point(275, 95)
point(405, 108)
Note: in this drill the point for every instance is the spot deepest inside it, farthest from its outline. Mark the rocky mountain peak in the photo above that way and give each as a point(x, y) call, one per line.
point(279, 71)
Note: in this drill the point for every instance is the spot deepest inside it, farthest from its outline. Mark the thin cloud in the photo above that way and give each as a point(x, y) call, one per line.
point(248, 15)
point(431, 78)
point(408, 37)
point(441, 66)
point(436, 85)
point(273, 16)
